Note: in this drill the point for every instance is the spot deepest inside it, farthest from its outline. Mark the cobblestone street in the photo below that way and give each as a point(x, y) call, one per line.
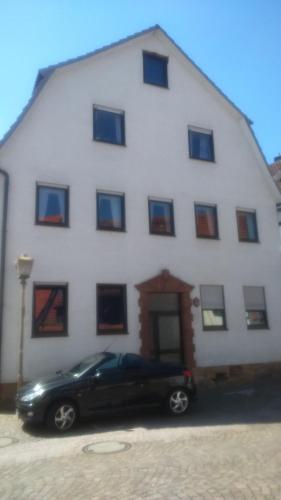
point(228, 447)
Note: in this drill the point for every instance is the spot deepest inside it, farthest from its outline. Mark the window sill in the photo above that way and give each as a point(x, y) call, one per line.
point(215, 329)
point(110, 332)
point(109, 142)
point(262, 327)
point(207, 237)
point(162, 234)
point(248, 241)
point(202, 159)
point(158, 85)
point(50, 224)
point(48, 335)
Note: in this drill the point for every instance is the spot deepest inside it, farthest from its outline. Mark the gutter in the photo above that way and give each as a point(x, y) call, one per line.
point(3, 230)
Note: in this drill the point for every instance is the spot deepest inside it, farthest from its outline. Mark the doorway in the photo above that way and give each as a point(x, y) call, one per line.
point(166, 319)
point(165, 327)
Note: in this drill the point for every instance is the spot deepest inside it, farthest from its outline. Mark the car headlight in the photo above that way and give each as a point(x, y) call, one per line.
point(35, 393)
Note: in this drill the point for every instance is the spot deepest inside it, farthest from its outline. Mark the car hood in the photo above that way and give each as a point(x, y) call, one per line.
point(47, 383)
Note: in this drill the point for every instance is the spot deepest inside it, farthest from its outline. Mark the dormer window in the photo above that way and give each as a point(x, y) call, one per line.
point(155, 69)
point(201, 144)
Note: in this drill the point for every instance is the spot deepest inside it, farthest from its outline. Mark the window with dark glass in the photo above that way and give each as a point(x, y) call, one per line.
point(110, 211)
point(201, 144)
point(206, 221)
point(111, 309)
point(213, 308)
point(52, 205)
point(247, 226)
point(161, 217)
point(155, 69)
point(50, 311)
point(255, 307)
point(109, 126)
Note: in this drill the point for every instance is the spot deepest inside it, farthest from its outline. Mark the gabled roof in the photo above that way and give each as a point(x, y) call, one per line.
point(45, 73)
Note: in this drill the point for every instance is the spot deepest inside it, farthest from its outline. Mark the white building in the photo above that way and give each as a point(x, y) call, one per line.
point(126, 162)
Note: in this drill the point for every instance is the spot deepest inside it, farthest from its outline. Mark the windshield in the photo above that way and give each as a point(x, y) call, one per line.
point(88, 363)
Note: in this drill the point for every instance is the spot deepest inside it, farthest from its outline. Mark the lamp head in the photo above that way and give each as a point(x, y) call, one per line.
point(24, 265)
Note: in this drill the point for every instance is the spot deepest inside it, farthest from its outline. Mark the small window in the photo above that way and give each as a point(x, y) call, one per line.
point(109, 126)
point(51, 205)
point(213, 309)
point(161, 217)
point(247, 226)
point(206, 221)
point(110, 212)
point(155, 69)
point(50, 311)
point(111, 309)
point(255, 307)
point(201, 144)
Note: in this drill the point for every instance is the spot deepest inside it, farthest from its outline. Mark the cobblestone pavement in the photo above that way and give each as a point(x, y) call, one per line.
point(228, 447)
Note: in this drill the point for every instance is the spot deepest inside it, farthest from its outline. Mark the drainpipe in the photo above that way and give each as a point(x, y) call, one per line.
point(3, 230)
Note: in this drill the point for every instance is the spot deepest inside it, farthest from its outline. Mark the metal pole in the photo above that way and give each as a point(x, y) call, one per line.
point(20, 372)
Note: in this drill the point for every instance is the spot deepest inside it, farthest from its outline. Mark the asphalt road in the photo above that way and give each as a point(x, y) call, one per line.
point(227, 447)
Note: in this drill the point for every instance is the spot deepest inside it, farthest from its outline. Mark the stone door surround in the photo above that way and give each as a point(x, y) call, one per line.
point(167, 283)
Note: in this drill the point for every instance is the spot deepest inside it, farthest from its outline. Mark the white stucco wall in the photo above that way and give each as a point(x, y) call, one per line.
point(2, 190)
point(54, 144)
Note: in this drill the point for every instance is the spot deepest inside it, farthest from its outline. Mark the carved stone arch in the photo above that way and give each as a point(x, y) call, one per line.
point(167, 283)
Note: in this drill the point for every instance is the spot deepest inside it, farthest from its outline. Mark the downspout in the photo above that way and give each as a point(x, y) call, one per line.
point(3, 253)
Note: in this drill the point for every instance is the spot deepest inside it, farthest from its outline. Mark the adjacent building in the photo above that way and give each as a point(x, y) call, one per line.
point(140, 191)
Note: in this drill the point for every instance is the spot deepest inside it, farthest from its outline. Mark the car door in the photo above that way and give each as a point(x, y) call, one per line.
point(138, 374)
point(110, 386)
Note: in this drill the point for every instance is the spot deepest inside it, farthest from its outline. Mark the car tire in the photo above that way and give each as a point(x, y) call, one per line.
point(62, 416)
point(178, 402)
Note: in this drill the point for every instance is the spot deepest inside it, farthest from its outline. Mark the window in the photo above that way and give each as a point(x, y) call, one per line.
point(213, 310)
point(51, 205)
point(155, 69)
point(161, 217)
point(111, 309)
point(247, 226)
point(49, 311)
point(110, 211)
point(255, 307)
point(109, 126)
point(206, 221)
point(201, 144)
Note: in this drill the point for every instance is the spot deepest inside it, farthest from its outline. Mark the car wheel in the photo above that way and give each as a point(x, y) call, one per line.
point(62, 416)
point(178, 402)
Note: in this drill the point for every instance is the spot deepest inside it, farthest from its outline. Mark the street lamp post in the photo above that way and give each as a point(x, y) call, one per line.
point(24, 265)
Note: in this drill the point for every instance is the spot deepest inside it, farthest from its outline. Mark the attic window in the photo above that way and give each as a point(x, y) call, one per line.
point(155, 71)
point(109, 126)
point(201, 144)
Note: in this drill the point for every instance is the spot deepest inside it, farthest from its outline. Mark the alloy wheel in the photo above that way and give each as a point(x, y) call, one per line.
point(64, 417)
point(178, 402)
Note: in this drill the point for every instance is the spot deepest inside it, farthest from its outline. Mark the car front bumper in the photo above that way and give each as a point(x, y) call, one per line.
point(29, 413)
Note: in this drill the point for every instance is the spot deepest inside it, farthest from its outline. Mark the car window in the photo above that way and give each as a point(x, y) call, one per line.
point(110, 363)
point(132, 362)
point(91, 363)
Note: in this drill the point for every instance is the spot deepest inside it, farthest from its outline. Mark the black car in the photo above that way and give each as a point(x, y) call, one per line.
point(105, 381)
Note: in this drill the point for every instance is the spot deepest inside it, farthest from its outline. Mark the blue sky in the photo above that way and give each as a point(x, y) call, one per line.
point(236, 42)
